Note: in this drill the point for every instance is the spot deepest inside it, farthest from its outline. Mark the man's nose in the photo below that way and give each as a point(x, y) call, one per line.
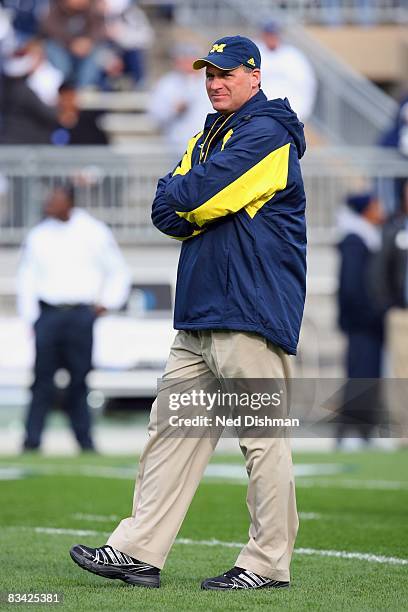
point(215, 83)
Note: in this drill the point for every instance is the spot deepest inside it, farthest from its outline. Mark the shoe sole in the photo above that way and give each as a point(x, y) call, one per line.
point(152, 582)
point(265, 586)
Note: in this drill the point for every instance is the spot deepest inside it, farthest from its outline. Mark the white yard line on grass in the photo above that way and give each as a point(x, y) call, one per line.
point(215, 473)
point(310, 516)
point(61, 531)
point(338, 554)
point(342, 554)
point(325, 483)
point(95, 518)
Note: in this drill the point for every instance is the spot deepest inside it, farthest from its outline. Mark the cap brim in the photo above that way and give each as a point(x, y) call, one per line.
point(204, 61)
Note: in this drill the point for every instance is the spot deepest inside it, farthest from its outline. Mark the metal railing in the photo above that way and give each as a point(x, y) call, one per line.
point(349, 109)
point(325, 12)
point(117, 185)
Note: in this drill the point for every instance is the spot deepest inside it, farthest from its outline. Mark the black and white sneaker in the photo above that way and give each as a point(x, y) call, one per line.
point(239, 578)
point(108, 562)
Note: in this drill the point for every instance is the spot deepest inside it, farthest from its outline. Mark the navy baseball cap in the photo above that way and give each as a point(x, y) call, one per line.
point(271, 27)
point(230, 52)
point(359, 201)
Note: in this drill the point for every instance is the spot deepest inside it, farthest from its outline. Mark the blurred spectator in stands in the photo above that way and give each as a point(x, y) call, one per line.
point(178, 102)
point(396, 137)
point(26, 16)
point(391, 286)
point(45, 79)
point(6, 35)
point(26, 118)
point(130, 35)
point(75, 35)
point(336, 12)
point(360, 318)
point(286, 72)
point(76, 126)
point(70, 273)
point(165, 10)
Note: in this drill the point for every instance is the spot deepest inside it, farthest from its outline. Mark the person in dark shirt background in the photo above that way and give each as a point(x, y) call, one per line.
point(391, 293)
point(26, 118)
point(360, 318)
point(76, 126)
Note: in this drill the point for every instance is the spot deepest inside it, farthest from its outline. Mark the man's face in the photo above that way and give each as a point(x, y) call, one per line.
point(58, 205)
point(271, 40)
point(184, 64)
point(228, 90)
point(374, 213)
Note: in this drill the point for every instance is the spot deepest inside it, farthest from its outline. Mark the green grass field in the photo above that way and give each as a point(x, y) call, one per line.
point(361, 508)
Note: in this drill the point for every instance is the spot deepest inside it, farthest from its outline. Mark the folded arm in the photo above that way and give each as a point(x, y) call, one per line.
point(250, 169)
point(166, 219)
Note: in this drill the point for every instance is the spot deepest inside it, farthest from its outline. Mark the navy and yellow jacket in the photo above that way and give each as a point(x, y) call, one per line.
point(237, 202)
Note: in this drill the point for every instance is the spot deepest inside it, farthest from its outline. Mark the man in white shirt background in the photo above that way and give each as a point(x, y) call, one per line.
point(178, 103)
point(286, 71)
point(71, 272)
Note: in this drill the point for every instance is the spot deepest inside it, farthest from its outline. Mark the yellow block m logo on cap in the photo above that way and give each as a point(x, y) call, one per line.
point(218, 48)
point(251, 61)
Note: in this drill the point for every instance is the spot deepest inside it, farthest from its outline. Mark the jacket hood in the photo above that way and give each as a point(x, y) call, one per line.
point(278, 109)
point(281, 111)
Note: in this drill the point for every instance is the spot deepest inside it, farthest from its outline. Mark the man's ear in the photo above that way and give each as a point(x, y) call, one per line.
point(256, 78)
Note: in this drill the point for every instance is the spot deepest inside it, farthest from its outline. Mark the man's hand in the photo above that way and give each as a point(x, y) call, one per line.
point(81, 46)
point(100, 310)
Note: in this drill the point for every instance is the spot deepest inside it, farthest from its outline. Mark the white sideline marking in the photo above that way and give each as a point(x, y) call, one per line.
point(95, 518)
point(310, 516)
point(61, 531)
point(238, 472)
point(342, 554)
point(97, 471)
point(214, 470)
point(339, 554)
point(11, 473)
point(324, 483)
point(217, 474)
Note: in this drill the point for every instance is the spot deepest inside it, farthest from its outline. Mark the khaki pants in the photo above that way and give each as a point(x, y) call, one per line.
point(171, 468)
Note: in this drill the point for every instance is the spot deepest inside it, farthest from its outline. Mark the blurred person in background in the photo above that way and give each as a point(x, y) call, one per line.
point(397, 134)
point(26, 17)
point(75, 35)
point(395, 137)
point(45, 79)
point(6, 35)
point(286, 72)
point(360, 318)
point(71, 271)
point(130, 35)
point(26, 118)
point(337, 12)
point(178, 103)
point(76, 126)
point(391, 284)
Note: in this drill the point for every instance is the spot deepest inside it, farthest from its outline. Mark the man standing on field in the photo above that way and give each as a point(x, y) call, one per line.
point(237, 202)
